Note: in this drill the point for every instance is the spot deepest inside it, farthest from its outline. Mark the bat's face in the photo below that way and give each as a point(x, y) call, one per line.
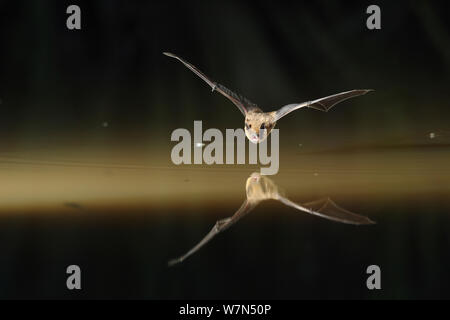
point(256, 136)
point(258, 126)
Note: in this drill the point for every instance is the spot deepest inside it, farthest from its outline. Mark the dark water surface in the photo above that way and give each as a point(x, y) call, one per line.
point(275, 252)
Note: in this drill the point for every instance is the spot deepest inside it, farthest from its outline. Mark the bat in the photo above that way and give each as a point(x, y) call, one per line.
point(259, 188)
point(259, 124)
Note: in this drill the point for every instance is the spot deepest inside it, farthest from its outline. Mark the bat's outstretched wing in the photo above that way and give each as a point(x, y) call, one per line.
point(322, 104)
point(220, 226)
point(242, 103)
point(328, 209)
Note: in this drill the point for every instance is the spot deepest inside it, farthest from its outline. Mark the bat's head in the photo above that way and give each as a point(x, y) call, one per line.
point(258, 126)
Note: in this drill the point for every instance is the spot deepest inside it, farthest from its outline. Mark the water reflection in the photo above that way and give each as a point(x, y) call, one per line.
point(259, 188)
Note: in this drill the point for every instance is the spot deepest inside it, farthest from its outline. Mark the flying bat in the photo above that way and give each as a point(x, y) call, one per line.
point(259, 124)
point(259, 188)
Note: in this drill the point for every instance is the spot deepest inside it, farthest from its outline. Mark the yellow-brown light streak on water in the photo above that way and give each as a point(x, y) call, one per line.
point(45, 182)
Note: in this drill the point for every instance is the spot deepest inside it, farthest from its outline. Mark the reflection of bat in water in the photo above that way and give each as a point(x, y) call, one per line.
point(258, 124)
point(261, 188)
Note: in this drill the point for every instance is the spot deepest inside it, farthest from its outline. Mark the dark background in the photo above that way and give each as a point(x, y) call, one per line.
point(58, 86)
point(274, 53)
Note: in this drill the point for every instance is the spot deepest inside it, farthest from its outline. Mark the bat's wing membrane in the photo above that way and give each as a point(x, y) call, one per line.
point(220, 226)
point(328, 209)
point(322, 104)
point(242, 103)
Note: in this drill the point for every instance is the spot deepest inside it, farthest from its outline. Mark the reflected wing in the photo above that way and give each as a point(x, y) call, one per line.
point(242, 103)
point(220, 226)
point(328, 209)
point(322, 104)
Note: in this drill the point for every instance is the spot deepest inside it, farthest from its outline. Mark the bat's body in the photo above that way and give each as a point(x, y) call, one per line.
point(258, 124)
point(259, 188)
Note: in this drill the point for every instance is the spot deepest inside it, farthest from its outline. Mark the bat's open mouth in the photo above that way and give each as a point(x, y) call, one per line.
point(251, 135)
